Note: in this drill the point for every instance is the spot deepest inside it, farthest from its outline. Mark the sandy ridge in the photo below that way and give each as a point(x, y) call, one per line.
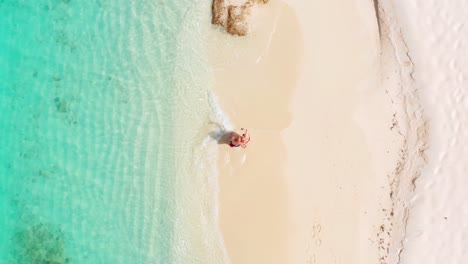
point(436, 34)
point(409, 123)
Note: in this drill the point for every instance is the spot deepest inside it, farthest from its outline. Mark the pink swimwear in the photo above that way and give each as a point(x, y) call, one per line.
point(242, 139)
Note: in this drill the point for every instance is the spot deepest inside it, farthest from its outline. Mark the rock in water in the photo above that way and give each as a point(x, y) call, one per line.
point(219, 13)
point(233, 18)
point(238, 19)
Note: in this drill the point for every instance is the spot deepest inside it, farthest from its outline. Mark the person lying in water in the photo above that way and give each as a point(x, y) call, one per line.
point(237, 140)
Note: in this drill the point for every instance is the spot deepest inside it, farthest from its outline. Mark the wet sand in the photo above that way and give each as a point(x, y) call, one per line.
point(255, 79)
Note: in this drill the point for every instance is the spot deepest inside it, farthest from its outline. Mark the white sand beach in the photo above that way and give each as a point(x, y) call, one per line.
point(341, 139)
point(437, 40)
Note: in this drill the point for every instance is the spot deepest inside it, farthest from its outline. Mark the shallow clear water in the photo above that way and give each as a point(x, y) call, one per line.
point(104, 112)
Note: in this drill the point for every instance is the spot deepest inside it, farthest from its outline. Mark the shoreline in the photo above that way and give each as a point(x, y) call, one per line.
point(254, 80)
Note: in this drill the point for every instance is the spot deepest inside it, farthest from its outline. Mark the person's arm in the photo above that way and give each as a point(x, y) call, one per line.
point(246, 136)
point(244, 143)
point(245, 139)
point(245, 133)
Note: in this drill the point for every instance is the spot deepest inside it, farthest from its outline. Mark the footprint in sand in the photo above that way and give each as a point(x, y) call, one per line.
point(311, 260)
point(314, 243)
point(315, 234)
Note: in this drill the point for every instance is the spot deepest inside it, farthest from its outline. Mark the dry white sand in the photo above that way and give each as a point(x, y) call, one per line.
point(436, 34)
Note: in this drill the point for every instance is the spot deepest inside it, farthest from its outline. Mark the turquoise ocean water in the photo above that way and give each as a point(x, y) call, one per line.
point(105, 108)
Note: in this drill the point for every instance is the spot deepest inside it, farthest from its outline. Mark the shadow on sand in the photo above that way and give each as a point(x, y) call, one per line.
point(221, 136)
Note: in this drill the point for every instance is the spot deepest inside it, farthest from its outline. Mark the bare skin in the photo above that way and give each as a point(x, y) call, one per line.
point(237, 140)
